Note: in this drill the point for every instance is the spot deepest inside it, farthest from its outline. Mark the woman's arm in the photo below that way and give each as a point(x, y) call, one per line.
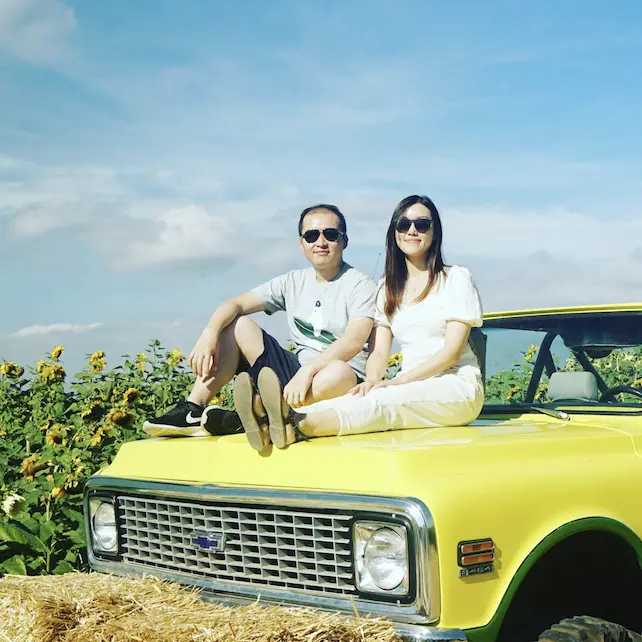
point(380, 344)
point(456, 337)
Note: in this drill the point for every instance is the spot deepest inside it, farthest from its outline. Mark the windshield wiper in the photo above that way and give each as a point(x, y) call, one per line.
point(558, 414)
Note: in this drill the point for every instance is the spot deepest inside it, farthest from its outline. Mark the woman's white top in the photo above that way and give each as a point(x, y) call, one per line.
point(420, 328)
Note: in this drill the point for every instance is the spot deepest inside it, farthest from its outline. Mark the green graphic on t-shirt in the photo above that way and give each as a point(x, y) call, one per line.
point(307, 330)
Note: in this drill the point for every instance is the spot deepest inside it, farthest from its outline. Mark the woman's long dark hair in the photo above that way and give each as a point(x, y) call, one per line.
point(396, 273)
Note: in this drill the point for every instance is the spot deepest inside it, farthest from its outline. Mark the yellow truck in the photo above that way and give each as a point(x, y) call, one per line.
point(492, 531)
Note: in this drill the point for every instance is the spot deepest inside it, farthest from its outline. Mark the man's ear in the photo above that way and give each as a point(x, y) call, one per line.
point(345, 241)
point(301, 244)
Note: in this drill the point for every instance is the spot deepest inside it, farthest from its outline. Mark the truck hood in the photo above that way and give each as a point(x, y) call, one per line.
point(390, 463)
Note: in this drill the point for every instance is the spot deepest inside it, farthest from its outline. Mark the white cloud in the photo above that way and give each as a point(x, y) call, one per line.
point(545, 280)
point(189, 232)
point(558, 231)
point(54, 328)
point(35, 30)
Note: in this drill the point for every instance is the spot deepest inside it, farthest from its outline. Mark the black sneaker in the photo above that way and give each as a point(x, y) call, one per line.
point(218, 421)
point(182, 421)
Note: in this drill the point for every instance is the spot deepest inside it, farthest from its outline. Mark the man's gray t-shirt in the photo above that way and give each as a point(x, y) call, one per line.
point(318, 312)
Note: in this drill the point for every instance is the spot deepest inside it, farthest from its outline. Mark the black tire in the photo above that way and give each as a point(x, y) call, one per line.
point(588, 629)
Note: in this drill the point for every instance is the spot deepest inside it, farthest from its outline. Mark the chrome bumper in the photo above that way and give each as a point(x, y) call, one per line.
point(418, 633)
point(408, 632)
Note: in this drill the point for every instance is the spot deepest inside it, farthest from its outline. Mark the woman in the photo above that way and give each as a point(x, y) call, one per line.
point(429, 308)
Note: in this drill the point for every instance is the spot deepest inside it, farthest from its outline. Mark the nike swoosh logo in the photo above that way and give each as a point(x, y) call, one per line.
point(190, 419)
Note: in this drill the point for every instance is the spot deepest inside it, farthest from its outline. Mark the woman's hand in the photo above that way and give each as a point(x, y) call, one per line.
point(203, 359)
point(362, 389)
point(386, 383)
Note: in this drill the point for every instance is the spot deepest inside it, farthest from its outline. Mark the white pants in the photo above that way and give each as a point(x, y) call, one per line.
point(450, 399)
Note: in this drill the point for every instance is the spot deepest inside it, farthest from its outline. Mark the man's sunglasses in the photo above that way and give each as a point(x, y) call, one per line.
point(331, 234)
point(422, 224)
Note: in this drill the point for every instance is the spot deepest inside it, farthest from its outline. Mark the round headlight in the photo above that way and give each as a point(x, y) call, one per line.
point(104, 527)
point(385, 557)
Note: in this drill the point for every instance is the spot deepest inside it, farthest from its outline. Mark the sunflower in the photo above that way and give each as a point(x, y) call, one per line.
point(97, 438)
point(513, 390)
point(175, 357)
point(92, 411)
point(57, 352)
point(12, 504)
point(394, 360)
point(531, 352)
point(97, 361)
point(130, 395)
point(120, 417)
point(11, 370)
point(52, 373)
point(57, 492)
point(30, 467)
point(54, 436)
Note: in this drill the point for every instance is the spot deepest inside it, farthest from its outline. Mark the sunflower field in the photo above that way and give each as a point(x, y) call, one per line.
point(56, 432)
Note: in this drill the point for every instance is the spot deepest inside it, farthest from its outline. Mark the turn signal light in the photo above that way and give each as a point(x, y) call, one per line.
point(480, 551)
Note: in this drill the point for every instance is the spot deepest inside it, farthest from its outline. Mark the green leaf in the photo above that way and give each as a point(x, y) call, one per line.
point(14, 565)
point(77, 537)
point(31, 524)
point(74, 515)
point(10, 533)
point(47, 530)
point(63, 567)
point(71, 557)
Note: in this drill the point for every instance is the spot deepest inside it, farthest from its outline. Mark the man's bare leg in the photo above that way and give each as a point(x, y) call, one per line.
point(243, 336)
point(194, 417)
point(335, 380)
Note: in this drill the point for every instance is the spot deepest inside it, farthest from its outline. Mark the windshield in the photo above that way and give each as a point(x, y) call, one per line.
point(519, 361)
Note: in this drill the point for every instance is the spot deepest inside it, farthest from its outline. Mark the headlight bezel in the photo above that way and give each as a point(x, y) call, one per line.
point(95, 500)
point(397, 523)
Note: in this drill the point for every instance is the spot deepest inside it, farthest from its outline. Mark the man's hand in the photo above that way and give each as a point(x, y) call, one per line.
point(297, 388)
point(203, 359)
point(362, 389)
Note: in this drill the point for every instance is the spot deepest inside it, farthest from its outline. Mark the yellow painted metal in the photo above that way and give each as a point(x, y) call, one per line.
point(580, 309)
point(514, 479)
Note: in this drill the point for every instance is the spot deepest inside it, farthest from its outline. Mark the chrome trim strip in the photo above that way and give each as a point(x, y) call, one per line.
point(426, 607)
point(418, 633)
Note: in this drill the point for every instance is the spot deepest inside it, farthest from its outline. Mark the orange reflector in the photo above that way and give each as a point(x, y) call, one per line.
point(480, 551)
point(484, 558)
point(478, 547)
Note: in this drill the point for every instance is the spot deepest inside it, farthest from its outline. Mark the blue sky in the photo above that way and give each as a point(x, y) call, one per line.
point(154, 155)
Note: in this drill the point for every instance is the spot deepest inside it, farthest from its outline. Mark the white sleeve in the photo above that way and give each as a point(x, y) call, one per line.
point(380, 316)
point(464, 303)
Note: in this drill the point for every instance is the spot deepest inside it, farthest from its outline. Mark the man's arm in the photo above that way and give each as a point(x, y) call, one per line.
point(204, 356)
point(345, 347)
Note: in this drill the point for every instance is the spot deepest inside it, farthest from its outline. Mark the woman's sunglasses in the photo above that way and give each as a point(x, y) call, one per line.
point(331, 234)
point(422, 224)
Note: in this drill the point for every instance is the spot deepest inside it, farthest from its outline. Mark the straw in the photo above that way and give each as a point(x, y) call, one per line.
point(94, 607)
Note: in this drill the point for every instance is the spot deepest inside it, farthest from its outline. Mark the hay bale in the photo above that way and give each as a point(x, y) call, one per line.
point(80, 607)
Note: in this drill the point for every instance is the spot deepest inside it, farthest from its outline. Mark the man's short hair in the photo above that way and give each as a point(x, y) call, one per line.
point(330, 208)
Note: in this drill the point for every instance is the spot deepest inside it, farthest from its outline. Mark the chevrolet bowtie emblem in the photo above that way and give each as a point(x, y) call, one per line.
point(212, 542)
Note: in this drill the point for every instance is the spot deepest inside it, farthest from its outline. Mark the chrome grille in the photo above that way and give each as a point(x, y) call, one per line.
point(284, 548)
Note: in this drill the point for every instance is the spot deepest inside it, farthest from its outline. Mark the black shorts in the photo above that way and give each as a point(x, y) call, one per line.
point(282, 361)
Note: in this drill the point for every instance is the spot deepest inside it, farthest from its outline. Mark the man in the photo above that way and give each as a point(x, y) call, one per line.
point(330, 310)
